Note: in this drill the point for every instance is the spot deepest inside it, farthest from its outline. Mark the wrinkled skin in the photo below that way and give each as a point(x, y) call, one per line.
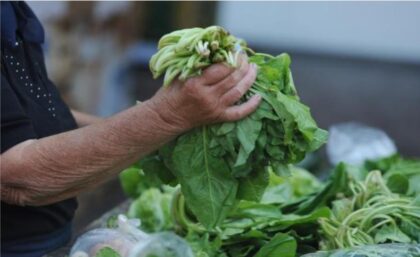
point(209, 98)
point(47, 170)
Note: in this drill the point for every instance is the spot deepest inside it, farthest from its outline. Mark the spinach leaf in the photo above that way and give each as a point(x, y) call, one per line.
point(206, 181)
point(338, 183)
point(252, 187)
point(280, 245)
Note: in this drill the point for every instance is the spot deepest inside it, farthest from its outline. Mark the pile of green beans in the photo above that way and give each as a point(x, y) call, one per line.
point(184, 53)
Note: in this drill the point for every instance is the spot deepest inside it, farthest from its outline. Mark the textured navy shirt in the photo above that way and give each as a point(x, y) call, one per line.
point(31, 108)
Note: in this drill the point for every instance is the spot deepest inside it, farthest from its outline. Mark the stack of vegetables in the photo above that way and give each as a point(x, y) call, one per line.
point(356, 206)
point(231, 189)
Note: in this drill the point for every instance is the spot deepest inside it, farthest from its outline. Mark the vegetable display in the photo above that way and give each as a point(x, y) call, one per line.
point(219, 165)
point(354, 207)
point(231, 189)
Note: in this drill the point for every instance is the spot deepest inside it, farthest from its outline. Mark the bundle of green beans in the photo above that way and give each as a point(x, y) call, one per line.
point(186, 52)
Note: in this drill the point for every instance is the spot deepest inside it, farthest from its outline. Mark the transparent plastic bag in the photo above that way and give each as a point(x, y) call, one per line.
point(129, 241)
point(354, 143)
point(379, 250)
point(163, 245)
point(121, 239)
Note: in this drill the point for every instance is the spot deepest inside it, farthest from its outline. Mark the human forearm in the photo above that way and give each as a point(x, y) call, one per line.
point(84, 119)
point(38, 172)
point(58, 167)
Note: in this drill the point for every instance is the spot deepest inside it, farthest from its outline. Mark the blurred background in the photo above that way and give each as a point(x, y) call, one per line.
point(351, 61)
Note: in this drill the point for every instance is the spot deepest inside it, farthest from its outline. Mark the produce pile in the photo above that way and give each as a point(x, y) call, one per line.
point(374, 204)
point(231, 189)
point(218, 165)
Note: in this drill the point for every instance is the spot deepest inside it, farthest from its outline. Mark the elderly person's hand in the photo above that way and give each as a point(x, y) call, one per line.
point(208, 98)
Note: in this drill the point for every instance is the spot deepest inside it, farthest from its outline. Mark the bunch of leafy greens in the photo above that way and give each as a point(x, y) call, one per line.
point(250, 229)
point(220, 164)
point(299, 214)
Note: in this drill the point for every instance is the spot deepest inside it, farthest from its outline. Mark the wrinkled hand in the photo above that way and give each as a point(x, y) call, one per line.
point(209, 98)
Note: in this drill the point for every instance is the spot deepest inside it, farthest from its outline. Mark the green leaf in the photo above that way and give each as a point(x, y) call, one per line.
point(391, 234)
point(154, 168)
point(247, 131)
point(107, 252)
point(206, 181)
point(282, 170)
point(411, 228)
point(398, 183)
point(342, 208)
point(319, 138)
point(301, 115)
point(153, 209)
point(288, 220)
point(414, 187)
point(202, 246)
point(247, 209)
point(225, 128)
point(252, 187)
point(283, 190)
point(130, 178)
point(281, 245)
point(338, 183)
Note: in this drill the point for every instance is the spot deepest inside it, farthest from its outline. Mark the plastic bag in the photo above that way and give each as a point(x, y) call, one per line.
point(163, 245)
point(128, 241)
point(354, 143)
point(122, 239)
point(380, 250)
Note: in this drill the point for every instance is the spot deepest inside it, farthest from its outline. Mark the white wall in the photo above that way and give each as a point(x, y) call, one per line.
point(386, 30)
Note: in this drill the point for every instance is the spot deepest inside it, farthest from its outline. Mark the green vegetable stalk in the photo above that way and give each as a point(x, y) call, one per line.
point(372, 215)
point(186, 52)
point(220, 164)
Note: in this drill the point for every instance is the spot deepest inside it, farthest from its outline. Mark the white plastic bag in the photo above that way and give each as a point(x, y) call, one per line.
point(354, 143)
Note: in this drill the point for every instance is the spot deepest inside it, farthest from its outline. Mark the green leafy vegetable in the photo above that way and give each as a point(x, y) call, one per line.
point(220, 164)
point(353, 207)
point(373, 214)
point(282, 190)
point(153, 209)
point(280, 245)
